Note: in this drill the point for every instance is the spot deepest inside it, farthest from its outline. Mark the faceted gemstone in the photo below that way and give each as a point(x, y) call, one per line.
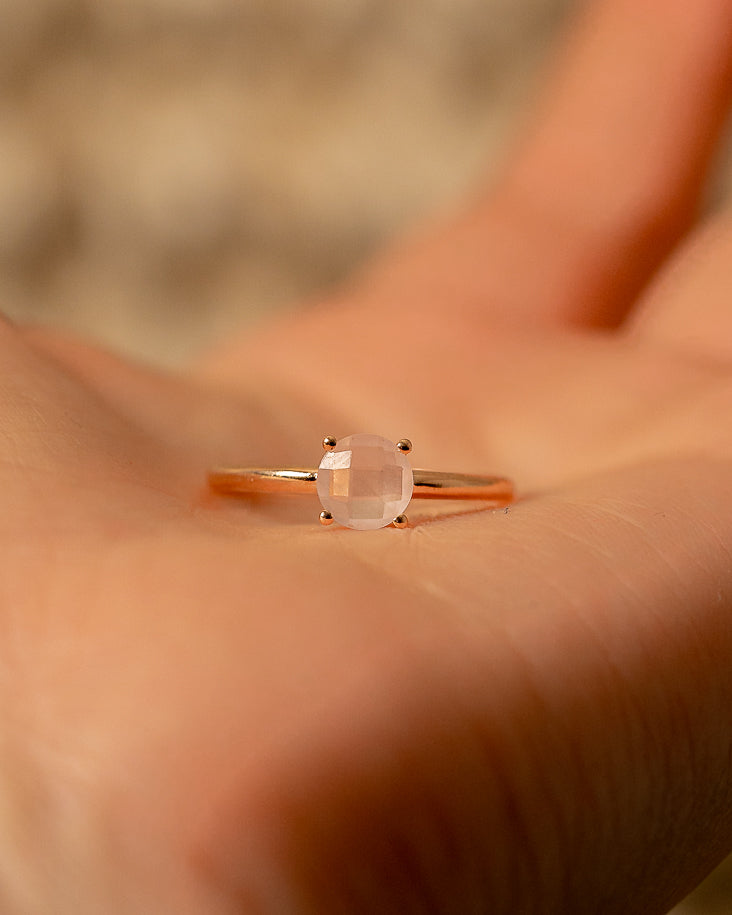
point(365, 482)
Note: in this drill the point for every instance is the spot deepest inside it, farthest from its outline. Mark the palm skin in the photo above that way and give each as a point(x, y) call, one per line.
point(213, 705)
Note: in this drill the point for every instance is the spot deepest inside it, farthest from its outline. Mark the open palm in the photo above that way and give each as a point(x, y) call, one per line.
point(214, 705)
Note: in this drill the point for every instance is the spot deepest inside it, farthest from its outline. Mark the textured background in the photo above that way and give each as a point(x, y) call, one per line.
point(170, 169)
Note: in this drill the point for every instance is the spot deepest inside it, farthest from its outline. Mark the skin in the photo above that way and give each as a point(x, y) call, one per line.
point(215, 706)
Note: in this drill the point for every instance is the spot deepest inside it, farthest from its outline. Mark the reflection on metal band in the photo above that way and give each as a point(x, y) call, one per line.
point(428, 484)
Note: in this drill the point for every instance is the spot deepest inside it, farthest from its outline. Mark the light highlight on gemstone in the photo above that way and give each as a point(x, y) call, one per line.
point(365, 482)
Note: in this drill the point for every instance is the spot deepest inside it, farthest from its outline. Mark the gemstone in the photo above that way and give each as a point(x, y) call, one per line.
point(365, 482)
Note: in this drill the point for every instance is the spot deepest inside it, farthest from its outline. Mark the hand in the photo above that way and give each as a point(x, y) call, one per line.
point(213, 705)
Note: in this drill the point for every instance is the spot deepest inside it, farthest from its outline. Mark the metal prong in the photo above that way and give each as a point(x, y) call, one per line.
point(329, 443)
point(326, 518)
point(400, 521)
point(404, 445)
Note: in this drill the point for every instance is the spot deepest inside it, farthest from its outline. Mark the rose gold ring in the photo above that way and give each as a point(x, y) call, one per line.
point(363, 482)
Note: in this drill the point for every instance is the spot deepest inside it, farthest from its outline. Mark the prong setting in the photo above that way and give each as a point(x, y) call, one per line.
point(404, 445)
point(401, 521)
point(329, 443)
point(326, 518)
point(364, 482)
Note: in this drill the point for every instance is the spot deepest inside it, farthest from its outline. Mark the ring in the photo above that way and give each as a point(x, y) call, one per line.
point(363, 482)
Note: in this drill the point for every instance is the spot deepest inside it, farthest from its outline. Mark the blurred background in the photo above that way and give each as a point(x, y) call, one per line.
point(173, 169)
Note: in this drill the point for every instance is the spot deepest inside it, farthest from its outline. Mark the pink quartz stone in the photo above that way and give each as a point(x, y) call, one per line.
point(365, 482)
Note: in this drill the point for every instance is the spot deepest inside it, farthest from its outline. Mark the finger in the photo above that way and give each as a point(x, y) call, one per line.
point(611, 175)
point(689, 307)
point(606, 181)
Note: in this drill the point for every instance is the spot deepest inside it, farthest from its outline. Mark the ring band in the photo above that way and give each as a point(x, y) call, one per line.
point(292, 481)
point(363, 481)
